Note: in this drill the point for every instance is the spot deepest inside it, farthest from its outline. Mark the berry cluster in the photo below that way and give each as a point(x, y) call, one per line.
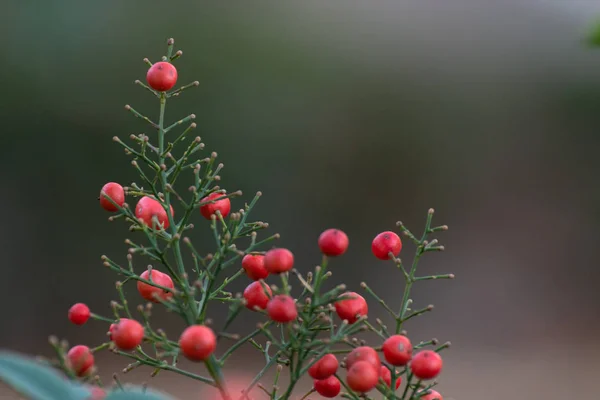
point(299, 332)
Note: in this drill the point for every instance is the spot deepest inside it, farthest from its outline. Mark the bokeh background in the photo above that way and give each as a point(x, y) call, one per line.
point(350, 114)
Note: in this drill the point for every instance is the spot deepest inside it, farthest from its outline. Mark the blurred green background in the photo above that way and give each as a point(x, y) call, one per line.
point(345, 114)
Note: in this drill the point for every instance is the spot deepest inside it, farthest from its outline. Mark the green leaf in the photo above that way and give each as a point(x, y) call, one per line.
point(35, 381)
point(137, 394)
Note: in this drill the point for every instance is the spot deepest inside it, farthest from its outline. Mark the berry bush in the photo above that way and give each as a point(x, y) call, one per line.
point(309, 333)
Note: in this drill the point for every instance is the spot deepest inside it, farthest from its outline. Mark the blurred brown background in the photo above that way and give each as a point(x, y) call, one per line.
point(348, 114)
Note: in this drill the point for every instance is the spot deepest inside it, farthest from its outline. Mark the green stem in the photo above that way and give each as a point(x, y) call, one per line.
point(212, 365)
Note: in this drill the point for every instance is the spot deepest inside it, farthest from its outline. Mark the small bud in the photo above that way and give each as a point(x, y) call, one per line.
point(127, 107)
point(213, 154)
point(430, 307)
point(363, 285)
point(434, 341)
point(431, 211)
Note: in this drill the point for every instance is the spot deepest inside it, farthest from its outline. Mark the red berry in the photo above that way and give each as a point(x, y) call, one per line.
point(115, 192)
point(333, 242)
point(162, 76)
point(279, 260)
point(282, 308)
point(149, 292)
point(223, 205)
point(386, 243)
point(81, 360)
point(352, 307)
point(426, 364)
point(397, 350)
point(79, 314)
point(324, 368)
point(329, 387)
point(147, 208)
point(257, 294)
point(362, 377)
point(386, 375)
point(127, 334)
point(432, 396)
point(254, 265)
point(363, 353)
point(197, 342)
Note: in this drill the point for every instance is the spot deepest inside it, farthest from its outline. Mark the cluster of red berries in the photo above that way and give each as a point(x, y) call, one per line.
point(112, 196)
point(365, 370)
point(332, 242)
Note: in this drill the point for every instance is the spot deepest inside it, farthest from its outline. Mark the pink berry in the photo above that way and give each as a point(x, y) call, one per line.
point(397, 350)
point(351, 308)
point(198, 342)
point(162, 76)
point(115, 192)
point(208, 209)
point(79, 314)
point(386, 243)
point(257, 294)
point(279, 260)
point(254, 265)
point(81, 360)
point(333, 242)
point(426, 364)
point(282, 309)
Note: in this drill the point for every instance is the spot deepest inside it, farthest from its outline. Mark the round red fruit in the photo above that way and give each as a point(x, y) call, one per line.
point(257, 294)
point(362, 377)
point(433, 395)
point(333, 242)
point(198, 342)
point(79, 314)
point(329, 387)
point(223, 205)
point(426, 364)
point(254, 265)
point(386, 375)
point(282, 309)
point(127, 334)
point(363, 353)
point(147, 208)
point(279, 260)
point(397, 350)
point(386, 243)
point(81, 360)
point(150, 292)
point(115, 192)
point(352, 307)
point(324, 368)
point(162, 76)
